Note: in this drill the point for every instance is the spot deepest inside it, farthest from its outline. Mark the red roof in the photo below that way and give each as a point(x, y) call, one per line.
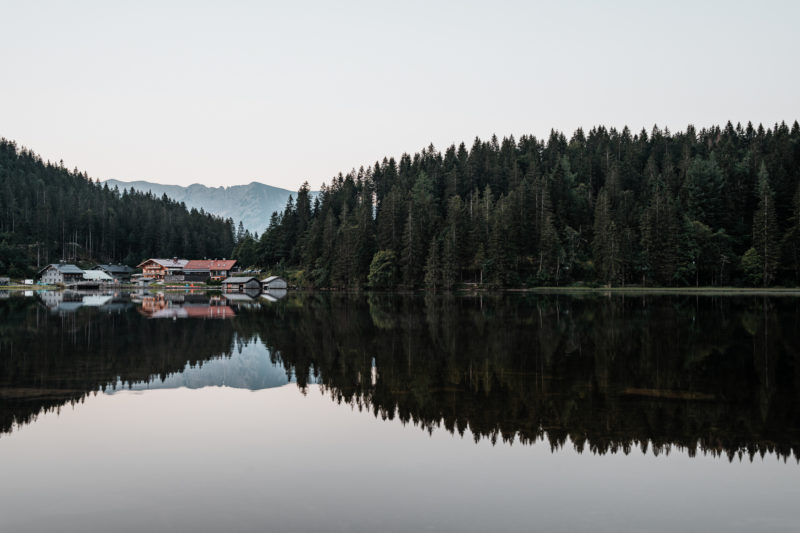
point(209, 264)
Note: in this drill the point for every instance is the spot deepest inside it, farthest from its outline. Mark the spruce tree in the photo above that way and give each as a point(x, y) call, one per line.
point(765, 228)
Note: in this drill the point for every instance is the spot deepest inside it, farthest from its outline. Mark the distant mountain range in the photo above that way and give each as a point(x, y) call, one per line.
point(251, 204)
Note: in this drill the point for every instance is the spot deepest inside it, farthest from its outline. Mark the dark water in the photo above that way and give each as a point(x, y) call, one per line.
point(332, 412)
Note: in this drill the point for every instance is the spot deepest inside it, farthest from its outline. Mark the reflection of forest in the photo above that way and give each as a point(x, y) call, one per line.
point(712, 374)
point(719, 375)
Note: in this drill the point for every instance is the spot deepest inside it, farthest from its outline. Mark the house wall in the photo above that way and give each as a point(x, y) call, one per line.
point(275, 284)
point(153, 271)
point(52, 276)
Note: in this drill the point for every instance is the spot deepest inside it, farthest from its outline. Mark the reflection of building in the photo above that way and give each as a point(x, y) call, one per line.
point(71, 301)
point(60, 273)
point(242, 299)
point(184, 305)
point(274, 295)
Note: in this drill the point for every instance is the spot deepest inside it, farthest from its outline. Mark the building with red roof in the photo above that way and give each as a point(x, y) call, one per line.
point(216, 269)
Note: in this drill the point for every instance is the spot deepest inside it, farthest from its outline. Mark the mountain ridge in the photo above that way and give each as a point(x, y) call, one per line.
point(250, 204)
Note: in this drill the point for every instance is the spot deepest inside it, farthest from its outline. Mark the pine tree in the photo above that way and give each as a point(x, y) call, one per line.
point(433, 267)
point(606, 242)
point(765, 229)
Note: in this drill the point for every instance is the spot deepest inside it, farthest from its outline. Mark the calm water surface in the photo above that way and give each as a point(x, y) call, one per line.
point(318, 412)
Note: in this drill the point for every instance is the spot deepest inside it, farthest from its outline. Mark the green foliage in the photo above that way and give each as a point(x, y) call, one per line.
point(752, 266)
point(49, 213)
point(383, 270)
point(605, 206)
point(765, 229)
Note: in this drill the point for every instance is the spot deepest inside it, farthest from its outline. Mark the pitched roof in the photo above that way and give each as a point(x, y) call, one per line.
point(269, 279)
point(166, 263)
point(64, 268)
point(241, 279)
point(210, 264)
point(96, 275)
point(115, 269)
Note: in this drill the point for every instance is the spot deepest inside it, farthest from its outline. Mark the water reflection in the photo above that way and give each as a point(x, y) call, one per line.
point(718, 375)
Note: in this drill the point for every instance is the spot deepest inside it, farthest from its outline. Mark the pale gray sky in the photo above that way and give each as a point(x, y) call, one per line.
point(224, 93)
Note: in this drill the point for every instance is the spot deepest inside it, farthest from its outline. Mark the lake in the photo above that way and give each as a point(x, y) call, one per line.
point(388, 412)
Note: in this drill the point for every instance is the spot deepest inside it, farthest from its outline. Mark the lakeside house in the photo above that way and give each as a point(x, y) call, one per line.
point(161, 269)
point(273, 283)
point(120, 273)
point(203, 269)
point(60, 273)
point(5, 281)
point(197, 270)
point(241, 284)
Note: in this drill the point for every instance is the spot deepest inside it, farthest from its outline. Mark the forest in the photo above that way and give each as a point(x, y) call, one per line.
point(714, 207)
point(49, 213)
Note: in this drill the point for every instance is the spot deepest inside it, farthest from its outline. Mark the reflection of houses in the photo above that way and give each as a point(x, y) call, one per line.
point(162, 268)
point(120, 273)
point(60, 273)
point(241, 284)
point(273, 283)
point(182, 305)
point(196, 311)
point(70, 301)
point(203, 269)
point(242, 300)
point(61, 300)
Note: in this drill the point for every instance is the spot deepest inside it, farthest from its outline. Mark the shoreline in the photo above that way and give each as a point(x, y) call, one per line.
point(699, 291)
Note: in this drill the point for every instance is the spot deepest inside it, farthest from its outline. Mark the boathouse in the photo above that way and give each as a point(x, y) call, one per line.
point(273, 283)
point(241, 284)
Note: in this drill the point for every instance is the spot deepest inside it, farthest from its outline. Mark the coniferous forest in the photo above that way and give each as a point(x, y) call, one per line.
point(714, 207)
point(49, 213)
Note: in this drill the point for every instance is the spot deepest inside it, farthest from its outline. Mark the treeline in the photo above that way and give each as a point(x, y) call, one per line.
point(49, 213)
point(719, 206)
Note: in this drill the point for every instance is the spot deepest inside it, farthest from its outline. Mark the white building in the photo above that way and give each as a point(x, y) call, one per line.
point(273, 283)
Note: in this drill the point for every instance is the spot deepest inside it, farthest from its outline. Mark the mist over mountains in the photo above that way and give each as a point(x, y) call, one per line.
point(252, 204)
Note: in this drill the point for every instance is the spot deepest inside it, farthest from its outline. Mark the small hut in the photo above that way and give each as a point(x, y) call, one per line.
point(273, 283)
point(241, 284)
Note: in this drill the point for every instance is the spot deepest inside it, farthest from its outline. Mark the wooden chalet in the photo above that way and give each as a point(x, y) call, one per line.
point(159, 269)
point(241, 284)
